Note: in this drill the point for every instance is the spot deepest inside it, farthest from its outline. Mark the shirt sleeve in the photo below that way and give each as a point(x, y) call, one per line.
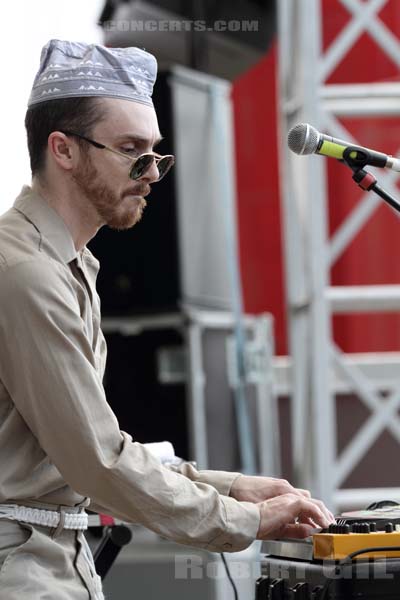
point(221, 480)
point(49, 369)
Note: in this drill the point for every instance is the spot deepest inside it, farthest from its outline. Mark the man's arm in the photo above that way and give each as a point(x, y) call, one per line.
point(262, 491)
point(239, 486)
point(49, 369)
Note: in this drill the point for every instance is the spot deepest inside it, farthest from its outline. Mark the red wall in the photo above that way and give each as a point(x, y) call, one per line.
point(374, 255)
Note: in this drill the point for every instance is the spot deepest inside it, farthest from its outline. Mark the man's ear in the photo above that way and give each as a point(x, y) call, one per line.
point(62, 150)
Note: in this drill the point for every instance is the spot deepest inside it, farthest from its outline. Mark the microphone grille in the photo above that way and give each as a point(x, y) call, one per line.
point(303, 139)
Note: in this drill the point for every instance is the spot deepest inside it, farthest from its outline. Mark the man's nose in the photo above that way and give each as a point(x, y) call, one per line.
point(152, 174)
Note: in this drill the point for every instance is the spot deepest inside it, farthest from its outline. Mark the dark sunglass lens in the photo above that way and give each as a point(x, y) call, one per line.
point(141, 166)
point(164, 166)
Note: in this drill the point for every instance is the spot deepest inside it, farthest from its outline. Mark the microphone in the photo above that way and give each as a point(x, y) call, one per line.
point(305, 139)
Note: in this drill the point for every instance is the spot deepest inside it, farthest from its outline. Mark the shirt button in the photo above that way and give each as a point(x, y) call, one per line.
point(227, 545)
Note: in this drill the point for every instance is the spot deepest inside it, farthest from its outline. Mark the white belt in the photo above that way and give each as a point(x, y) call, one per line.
point(47, 518)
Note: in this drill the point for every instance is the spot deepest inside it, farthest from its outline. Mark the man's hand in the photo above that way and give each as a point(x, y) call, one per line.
point(256, 489)
point(285, 511)
point(291, 516)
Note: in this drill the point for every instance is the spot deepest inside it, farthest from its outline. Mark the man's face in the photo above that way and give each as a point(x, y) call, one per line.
point(103, 177)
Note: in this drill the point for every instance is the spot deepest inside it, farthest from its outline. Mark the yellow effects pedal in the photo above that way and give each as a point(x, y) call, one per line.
point(341, 540)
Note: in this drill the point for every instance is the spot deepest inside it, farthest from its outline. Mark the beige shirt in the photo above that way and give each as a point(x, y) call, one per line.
point(60, 442)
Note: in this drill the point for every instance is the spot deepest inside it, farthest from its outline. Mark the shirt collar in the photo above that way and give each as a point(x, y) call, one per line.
point(47, 221)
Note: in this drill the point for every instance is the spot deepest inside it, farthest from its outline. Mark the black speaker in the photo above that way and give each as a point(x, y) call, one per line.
point(146, 408)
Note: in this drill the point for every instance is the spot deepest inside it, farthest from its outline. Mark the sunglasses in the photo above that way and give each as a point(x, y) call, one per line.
point(140, 165)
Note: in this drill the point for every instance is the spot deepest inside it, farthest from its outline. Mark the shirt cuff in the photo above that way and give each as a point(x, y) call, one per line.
point(220, 480)
point(242, 525)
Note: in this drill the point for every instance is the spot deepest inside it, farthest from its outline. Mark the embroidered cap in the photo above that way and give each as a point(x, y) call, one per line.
point(74, 69)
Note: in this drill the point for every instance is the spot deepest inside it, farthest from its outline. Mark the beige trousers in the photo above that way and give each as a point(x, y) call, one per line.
point(36, 566)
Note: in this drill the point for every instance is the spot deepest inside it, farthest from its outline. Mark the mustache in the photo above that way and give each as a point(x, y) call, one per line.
point(140, 190)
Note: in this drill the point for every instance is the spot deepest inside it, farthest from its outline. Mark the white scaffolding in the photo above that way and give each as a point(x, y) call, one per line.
point(304, 96)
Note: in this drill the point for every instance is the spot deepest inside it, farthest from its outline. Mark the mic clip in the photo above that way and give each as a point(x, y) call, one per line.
point(356, 158)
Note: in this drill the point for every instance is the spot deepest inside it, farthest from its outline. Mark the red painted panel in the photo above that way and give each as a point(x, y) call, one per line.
point(258, 209)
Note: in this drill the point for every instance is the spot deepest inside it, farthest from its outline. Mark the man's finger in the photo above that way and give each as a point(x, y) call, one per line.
point(291, 515)
point(324, 509)
point(313, 509)
point(306, 494)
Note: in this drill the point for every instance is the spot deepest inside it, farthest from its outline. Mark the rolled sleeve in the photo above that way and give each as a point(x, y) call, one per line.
point(49, 370)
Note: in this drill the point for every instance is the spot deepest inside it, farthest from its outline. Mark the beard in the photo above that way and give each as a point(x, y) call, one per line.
point(116, 211)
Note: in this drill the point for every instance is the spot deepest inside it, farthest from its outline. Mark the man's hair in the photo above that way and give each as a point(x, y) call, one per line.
point(74, 114)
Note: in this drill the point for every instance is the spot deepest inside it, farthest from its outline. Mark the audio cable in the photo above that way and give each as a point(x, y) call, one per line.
point(233, 584)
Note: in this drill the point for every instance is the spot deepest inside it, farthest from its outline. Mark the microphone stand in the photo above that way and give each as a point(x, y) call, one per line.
point(365, 180)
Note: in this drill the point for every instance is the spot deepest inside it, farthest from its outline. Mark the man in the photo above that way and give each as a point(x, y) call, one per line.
point(89, 122)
